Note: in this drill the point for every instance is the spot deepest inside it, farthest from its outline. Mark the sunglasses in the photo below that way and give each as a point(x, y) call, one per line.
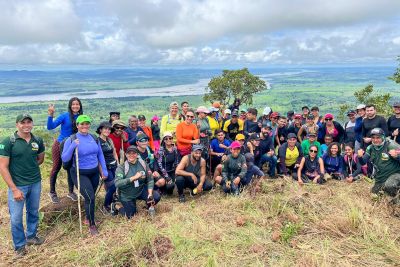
point(328, 119)
point(118, 128)
point(168, 138)
point(313, 151)
point(190, 117)
point(143, 140)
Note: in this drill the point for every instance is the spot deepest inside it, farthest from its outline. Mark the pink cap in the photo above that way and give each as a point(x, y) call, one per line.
point(155, 118)
point(235, 144)
point(328, 116)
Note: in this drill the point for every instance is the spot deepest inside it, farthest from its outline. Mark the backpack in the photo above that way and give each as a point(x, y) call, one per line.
point(126, 165)
point(13, 139)
point(68, 164)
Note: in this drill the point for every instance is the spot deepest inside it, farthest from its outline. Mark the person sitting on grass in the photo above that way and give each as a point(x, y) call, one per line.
point(290, 155)
point(328, 139)
point(134, 181)
point(353, 170)
point(234, 170)
point(147, 155)
point(311, 168)
point(333, 162)
point(311, 140)
point(309, 127)
point(191, 173)
point(167, 159)
point(218, 146)
point(385, 156)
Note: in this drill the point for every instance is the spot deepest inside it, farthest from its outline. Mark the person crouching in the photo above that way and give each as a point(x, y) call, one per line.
point(234, 169)
point(134, 181)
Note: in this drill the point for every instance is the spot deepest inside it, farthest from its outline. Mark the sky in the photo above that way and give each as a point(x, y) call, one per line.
point(199, 32)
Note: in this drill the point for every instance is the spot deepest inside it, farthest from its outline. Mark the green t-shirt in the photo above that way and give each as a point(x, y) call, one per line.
point(305, 146)
point(23, 166)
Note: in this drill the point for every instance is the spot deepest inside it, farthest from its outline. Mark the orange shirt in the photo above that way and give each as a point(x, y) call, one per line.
point(148, 132)
point(186, 133)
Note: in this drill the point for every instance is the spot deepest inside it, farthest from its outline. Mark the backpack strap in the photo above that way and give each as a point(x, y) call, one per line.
point(126, 165)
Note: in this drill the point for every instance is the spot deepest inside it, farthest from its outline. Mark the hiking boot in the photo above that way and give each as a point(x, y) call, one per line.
point(105, 210)
point(182, 198)
point(19, 253)
point(93, 230)
point(54, 198)
point(37, 241)
point(113, 209)
point(86, 222)
point(73, 196)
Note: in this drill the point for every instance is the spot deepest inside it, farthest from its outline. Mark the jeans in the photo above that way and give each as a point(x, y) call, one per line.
point(109, 185)
point(129, 207)
point(16, 209)
point(251, 171)
point(272, 160)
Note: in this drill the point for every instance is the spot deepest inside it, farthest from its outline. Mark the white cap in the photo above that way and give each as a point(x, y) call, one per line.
point(361, 106)
point(227, 111)
point(267, 111)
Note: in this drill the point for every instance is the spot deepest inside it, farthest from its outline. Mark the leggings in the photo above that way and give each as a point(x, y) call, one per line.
point(56, 158)
point(109, 186)
point(89, 180)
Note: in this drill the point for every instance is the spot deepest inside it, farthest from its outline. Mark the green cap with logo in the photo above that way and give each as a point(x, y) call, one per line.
point(83, 118)
point(24, 116)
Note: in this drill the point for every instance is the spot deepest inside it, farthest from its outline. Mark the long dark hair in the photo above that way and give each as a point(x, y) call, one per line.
point(330, 146)
point(71, 114)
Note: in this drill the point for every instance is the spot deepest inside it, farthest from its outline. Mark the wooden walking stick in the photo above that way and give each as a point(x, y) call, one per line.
point(79, 189)
point(121, 152)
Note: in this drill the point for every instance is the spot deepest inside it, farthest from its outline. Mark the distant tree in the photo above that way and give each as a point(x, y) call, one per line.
point(396, 75)
point(368, 96)
point(234, 84)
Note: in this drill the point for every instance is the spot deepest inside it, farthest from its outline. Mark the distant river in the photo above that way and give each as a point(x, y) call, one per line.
point(197, 88)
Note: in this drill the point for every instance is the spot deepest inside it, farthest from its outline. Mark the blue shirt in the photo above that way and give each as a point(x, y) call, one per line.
point(65, 122)
point(89, 152)
point(215, 145)
point(132, 134)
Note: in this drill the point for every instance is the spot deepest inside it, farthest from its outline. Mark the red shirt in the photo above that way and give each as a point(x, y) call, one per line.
point(117, 141)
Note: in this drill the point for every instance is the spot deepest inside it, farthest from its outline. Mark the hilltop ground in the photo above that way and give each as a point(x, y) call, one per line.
point(276, 224)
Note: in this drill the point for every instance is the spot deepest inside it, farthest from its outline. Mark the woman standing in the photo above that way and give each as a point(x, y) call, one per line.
point(90, 158)
point(311, 168)
point(333, 128)
point(111, 158)
point(155, 130)
point(68, 127)
point(187, 134)
point(167, 159)
point(170, 121)
point(204, 129)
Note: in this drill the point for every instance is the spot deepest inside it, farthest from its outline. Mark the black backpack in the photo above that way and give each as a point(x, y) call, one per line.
point(68, 164)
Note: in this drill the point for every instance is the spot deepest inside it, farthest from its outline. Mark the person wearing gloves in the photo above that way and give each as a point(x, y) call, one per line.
point(234, 170)
point(134, 181)
point(90, 157)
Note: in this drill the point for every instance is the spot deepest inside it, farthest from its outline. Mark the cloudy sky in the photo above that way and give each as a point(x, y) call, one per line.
point(199, 32)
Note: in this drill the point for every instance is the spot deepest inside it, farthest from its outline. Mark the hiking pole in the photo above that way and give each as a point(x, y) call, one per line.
point(79, 189)
point(98, 189)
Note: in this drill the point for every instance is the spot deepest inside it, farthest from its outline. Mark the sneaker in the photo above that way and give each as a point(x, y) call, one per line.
point(73, 196)
point(37, 241)
point(19, 253)
point(93, 230)
point(54, 198)
point(236, 192)
point(113, 210)
point(86, 222)
point(182, 198)
point(105, 210)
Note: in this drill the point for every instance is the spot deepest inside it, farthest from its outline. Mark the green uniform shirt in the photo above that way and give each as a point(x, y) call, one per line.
point(234, 167)
point(305, 146)
point(384, 163)
point(131, 190)
point(23, 166)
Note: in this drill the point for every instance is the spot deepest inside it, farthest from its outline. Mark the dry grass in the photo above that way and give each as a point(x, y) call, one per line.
point(283, 224)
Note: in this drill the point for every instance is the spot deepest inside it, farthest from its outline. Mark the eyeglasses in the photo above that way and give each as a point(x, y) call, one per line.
point(313, 151)
point(328, 119)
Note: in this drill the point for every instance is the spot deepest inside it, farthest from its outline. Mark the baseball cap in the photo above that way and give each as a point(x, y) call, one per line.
point(274, 115)
point(132, 149)
point(297, 116)
point(254, 136)
point(311, 134)
point(243, 110)
point(267, 125)
point(202, 109)
point(239, 137)
point(167, 134)
point(396, 104)
point(155, 118)
point(227, 111)
point(213, 109)
point(141, 137)
point(267, 110)
point(216, 104)
point(290, 113)
point(235, 144)
point(141, 117)
point(24, 116)
point(83, 118)
point(310, 117)
point(351, 112)
point(305, 107)
point(291, 135)
point(328, 116)
point(235, 113)
point(115, 113)
point(361, 106)
point(197, 147)
point(315, 108)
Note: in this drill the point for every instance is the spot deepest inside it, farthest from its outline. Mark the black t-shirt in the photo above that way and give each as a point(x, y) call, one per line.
point(108, 152)
point(393, 124)
point(251, 127)
point(376, 122)
point(282, 134)
point(155, 130)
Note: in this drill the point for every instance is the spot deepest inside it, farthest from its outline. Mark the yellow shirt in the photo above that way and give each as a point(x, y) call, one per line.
point(291, 156)
point(168, 124)
point(214, 125)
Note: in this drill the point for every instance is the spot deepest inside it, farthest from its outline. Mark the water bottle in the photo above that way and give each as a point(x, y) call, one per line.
point(152, 211)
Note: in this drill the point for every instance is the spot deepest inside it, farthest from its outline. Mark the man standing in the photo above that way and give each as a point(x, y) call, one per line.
point(20, 157)
point(251, 125)
point(349, 133)
point(233, 126)
point(394, 123)
point(370, 122)
point(191, 173)
point(133, 129)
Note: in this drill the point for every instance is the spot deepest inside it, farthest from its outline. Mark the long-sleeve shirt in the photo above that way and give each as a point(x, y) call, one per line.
point(132, 134)
point(358, 129)
point(148, 132)
point(128, 190)
point(234, 167)
point(352, 166)
point(333, 164)
point(393, 124)
point(65, 122)
point(89, 152)
point(185, 133)
point(167, 161)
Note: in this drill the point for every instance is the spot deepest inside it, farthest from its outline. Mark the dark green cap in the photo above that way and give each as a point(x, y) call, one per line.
point(22, 117)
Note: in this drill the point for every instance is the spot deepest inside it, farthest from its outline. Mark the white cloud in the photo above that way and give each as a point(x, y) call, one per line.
point(47, 21)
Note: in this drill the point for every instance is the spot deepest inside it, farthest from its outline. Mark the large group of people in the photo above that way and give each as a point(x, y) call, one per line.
point(192, 150)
